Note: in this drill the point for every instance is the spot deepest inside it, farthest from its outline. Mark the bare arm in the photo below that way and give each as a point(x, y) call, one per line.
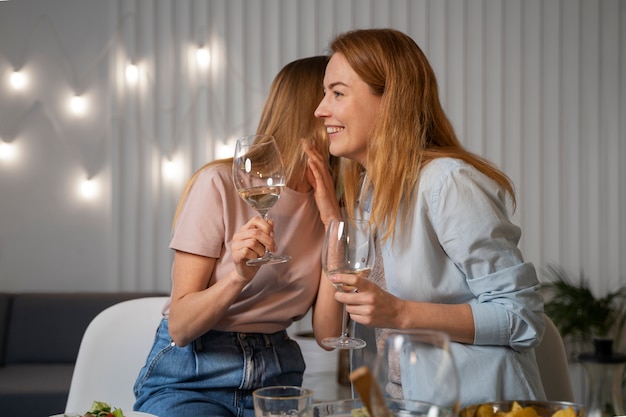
point(197, 305)
point(327, 312)
point(372, 306)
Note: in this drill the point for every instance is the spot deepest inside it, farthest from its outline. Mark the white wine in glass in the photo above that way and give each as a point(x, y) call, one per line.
point(259, 177)
point(348, 249)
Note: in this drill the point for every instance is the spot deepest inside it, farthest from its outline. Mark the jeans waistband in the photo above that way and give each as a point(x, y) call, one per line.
point(254, 339)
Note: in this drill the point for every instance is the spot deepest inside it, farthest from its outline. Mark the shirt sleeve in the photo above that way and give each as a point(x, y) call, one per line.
point(473, 227)
point(200, 227)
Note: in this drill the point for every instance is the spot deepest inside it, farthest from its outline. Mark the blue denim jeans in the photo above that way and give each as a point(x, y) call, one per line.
point(215, 375)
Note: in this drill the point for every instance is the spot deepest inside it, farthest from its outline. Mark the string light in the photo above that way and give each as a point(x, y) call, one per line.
point(132, 74)
point(8, 151)
point(88, 188)
point(78, 105)
point(172, 169)
point(225, 150)
point(203, 57)
point(18, 80)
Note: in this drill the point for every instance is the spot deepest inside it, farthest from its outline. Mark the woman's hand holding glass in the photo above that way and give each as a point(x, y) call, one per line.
point(348, 250)
point(259, 177)
point(251, 241)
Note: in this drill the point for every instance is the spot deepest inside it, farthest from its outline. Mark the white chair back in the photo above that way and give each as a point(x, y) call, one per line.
point(553, 365)
point(113, 350)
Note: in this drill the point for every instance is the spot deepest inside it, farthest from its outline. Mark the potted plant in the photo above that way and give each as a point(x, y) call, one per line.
point(583, 318)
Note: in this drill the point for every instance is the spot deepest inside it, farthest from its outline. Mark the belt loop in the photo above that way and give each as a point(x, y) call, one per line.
point(198, 345)
point(268, 341)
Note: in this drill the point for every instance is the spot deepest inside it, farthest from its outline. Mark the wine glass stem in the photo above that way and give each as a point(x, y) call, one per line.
point(344, 322)
point(266, 216)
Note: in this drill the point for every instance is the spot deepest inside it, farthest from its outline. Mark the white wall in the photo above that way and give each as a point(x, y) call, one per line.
point(537, 86)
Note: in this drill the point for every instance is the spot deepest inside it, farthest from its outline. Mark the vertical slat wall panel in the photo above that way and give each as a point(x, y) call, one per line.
point(169, 90)
point(531, 120)
point(456, 64)
point(116, 151)
point(473, 79)
point(218, 90)
point(129, 157)
point(400, 16)
point(609, 128)
point(551, 141)
point(513, 129)
point(491, 67)
point(366, 11)
point(590, 138)
point(305, 32)
point(287, 48)
point(437, 44)
point(418, 25)
point(535, 86)
point(621, 135)
point(571, 236)
point(152, 142)
point(199, 80)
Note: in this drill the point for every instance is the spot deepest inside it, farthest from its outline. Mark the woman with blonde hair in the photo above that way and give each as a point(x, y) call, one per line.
point(223, 332)
point(448, 259)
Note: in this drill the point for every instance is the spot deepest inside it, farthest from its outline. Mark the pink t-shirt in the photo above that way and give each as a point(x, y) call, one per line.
point(278, 294)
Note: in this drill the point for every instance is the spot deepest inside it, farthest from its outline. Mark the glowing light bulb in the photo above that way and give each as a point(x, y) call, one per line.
point(18, 80)
point(172, 169)
point(78, 105)
point(132, 73)
point(88, 188)
point(203, 57)
point(225, 150)
point(7, 151)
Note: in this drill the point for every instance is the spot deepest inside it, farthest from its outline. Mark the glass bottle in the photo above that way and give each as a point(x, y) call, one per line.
point(605, 371)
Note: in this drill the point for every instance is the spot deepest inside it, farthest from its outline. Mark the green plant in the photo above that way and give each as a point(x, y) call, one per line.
point(578, 313)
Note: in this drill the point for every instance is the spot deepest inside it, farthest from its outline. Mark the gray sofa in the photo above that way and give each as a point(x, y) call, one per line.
point(40, 334)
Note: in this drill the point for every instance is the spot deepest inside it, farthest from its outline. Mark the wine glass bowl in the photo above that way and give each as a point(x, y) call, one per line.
point(259, 177)
point(418, 365)
point(348, 249)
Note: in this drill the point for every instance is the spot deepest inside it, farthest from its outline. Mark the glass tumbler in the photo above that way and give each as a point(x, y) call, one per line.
point(282, 401)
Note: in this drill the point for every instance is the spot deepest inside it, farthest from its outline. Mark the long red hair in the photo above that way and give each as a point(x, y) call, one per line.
point(412, 127)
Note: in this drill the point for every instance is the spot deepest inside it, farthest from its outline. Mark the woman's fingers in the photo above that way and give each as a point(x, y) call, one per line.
point(252, 239)
point(320, 178)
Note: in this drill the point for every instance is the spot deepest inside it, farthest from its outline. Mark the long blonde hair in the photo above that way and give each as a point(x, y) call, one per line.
point(288, 116)
point(412, 127)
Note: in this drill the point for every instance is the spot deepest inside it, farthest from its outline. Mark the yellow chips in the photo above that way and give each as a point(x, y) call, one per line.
point(487, 410)
point(362, 412)
point(567, 412)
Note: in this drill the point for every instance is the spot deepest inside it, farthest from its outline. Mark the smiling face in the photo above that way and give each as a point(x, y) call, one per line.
point(349, 110)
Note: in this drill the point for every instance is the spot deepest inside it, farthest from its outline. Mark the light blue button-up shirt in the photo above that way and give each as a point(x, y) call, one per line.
point(461, 248)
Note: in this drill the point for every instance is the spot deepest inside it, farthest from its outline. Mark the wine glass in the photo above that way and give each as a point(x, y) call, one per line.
point(348, 249)
point(259, 177)
point(418, 365)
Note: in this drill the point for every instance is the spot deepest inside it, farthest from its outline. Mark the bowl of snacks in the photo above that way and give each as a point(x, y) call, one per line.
point(528, 408)
point(102, 409)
